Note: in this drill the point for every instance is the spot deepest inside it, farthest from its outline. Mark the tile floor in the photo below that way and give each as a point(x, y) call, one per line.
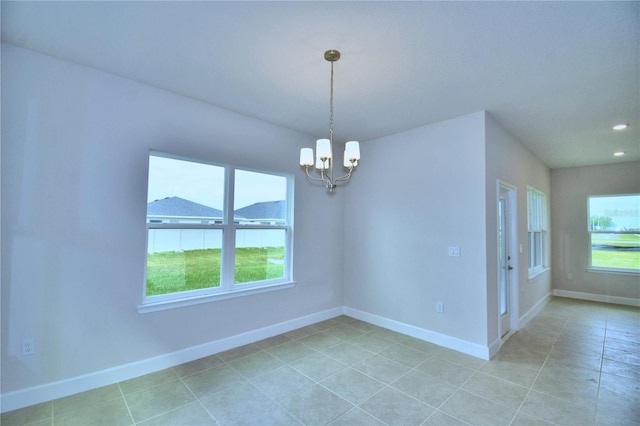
point(575, 363)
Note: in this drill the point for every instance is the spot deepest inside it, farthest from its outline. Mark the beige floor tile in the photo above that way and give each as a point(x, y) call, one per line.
point(574, 357)
point(381, 368)
point(256, 363)
point(630, 371)
point(396, 408)
point(438, 418)
point(28, 415)
point(239, 352)
point(553, 382)
point(282, 383)
point(476, 410)
point(320, 340)
point(192, 413)
point(497, 390)
point(620, 385)
point(158, 400)
point(556, 410)
point(525, 420)
point(318, 366)
point(213, 379)
point(352, 385)
point(356, 417)
point(424, 388)
point(420, 345)
point(193, 367)
point(570, 358)
point(81, 400)
point(622, 355)
point(291, 351)
point(444, 371)
point(405, 355)
point(109, 413)
point(148, 381)
point(273, 341)
point(244, 404)
point(371, 343)
point(316, 405)
point(348, 353)
point(511, 371)
point(459, 358)
point(344, 332)
point(616, 408)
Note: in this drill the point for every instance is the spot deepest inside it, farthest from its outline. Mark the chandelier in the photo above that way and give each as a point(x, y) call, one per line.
point(324, 147)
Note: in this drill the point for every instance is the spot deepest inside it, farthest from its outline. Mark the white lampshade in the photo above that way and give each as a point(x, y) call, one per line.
point(306, 157)
point(352, 150)
point(323, 148)
point(346, 163)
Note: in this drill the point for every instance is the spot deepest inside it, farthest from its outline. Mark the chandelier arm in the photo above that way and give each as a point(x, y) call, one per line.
point(345, 177)
point(322, 179)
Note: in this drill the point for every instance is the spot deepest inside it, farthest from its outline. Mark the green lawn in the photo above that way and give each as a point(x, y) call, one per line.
point(172, 272)
point(616, 259)
point(613, 251)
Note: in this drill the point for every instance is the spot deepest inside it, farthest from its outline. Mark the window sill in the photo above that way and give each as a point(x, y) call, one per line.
point(196, 300)
point(533, 275)
point(612, 271)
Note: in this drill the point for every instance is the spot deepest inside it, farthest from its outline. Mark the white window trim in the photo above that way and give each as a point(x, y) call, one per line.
point(604, 269)
point(542, 214)
point(227, 288)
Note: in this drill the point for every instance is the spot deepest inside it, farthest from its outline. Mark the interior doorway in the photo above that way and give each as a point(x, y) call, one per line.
point(507, 260)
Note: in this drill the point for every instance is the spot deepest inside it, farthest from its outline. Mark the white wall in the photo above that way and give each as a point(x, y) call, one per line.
point(415, 194)
point(509, 161)
point(570, 241)
point(75, 146)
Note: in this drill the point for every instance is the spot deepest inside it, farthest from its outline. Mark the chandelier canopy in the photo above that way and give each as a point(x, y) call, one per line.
point(324, 147)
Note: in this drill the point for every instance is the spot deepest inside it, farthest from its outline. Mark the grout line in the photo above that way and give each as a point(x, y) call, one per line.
point(126, 404)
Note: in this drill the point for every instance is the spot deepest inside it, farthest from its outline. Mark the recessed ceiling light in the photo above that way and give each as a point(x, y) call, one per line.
point(618, 153)
point(620, 126)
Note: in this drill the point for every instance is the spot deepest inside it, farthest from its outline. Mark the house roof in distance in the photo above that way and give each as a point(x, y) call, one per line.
point(176, 206)
point(263, 210)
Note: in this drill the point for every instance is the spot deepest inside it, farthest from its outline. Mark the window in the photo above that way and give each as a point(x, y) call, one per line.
point(214, 231)
point(537, 230)
point(614, 232)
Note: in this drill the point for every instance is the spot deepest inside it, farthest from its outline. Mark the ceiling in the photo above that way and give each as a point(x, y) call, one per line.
point(556, 75)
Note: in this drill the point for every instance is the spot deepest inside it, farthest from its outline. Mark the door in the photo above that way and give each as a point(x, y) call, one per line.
point(506, 259)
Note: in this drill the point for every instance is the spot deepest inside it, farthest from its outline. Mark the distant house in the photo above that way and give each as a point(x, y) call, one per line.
point(176, 210)
point(179, 210)
point(271, 212)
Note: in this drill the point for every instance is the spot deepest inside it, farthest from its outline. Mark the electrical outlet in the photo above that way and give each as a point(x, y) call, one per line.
point(28, 346)
point(454, 251)
point(440, 307)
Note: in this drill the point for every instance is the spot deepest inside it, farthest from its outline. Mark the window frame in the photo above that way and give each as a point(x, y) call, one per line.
point(590, 232)
point(537, 226)
point(229, 227)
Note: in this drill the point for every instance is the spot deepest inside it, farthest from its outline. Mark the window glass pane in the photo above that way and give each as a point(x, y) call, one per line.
point(614, 224)
point(614, 213)
point(259, 255)
point(260, 198)
point(184, 192)
point(538, 248)
point(182, 260)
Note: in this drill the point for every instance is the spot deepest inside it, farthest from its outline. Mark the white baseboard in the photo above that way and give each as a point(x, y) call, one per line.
point(454, 343)
point(629, 301)
point(34, 395)
point(524, 319)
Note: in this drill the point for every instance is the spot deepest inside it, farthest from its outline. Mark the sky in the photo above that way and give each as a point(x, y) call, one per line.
point(624, 210)
point(204, 183)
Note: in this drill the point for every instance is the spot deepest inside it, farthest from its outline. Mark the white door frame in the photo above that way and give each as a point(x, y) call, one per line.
point(512, 245)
